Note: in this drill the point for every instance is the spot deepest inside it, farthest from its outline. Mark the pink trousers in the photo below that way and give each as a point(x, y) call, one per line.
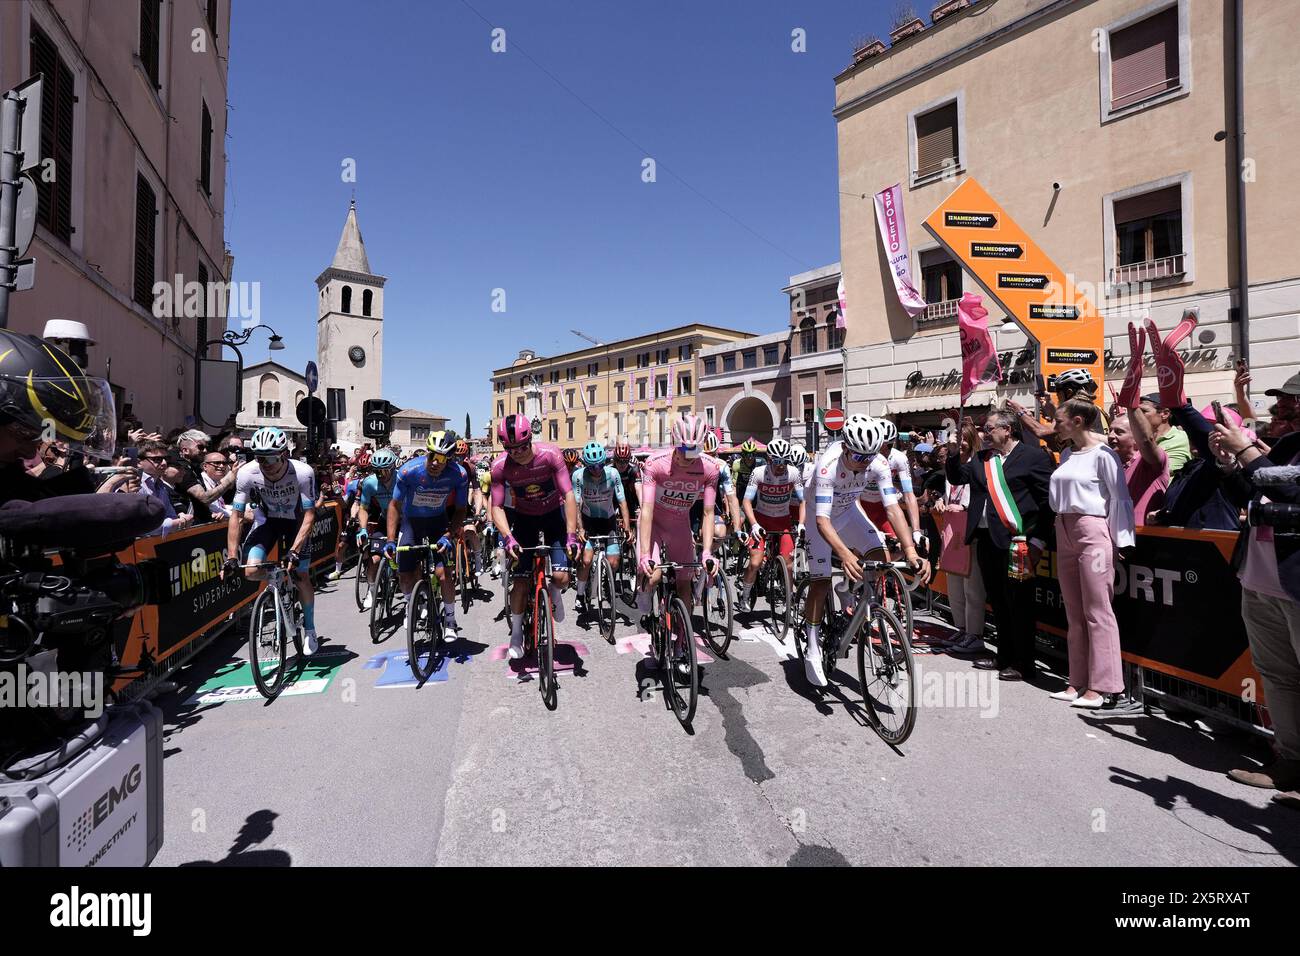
point(1085, 557)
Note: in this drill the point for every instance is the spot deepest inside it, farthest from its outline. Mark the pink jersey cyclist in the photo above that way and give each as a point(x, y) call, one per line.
point(538, 487)
point(673, 490)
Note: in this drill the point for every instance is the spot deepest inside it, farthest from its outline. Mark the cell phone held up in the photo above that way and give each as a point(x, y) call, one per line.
point(1218, 412)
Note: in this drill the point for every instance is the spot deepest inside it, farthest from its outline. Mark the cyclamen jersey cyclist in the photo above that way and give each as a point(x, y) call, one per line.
point(372, 511)
point(428, 504)
point(544, 506)
point(285, 492)
point(901, 475)
point(598, 489)
point(774, 494)
point(670, 484)
point(841, 527)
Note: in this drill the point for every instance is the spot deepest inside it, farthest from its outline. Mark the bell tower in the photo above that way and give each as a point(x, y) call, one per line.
point(350, 330)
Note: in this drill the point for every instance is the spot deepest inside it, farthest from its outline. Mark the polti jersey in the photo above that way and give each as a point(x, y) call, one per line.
point(598, 498)
point(674, 490)
point(375, 496)
point(836, 489)
point(774, 497)
point(291, 497)
point(422, 495)
point(538, 487)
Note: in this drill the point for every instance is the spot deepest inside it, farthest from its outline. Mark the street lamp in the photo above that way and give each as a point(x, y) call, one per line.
point(233, 339)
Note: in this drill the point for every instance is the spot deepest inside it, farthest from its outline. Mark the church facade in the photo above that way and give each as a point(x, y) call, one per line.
point(350, 332)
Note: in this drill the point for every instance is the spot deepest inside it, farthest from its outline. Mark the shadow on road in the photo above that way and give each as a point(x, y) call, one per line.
point(257, 829)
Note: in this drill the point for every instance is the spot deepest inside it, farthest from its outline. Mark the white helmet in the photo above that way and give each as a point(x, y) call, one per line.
point(863, 434)
point(1077, 377)
point(268, 441)
point(798, 456)
point(778, 449)
point(891, 430)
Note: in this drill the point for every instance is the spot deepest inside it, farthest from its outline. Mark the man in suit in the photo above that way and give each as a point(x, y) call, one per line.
point(1028, 470)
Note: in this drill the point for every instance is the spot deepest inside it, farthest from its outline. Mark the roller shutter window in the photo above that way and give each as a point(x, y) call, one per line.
point(936, 140)
point(150, 14)
point(58, 105)
point(205, 152)
point(145, 232)
point(1144, 59)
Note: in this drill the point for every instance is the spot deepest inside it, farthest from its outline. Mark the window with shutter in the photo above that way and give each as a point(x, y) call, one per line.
point(940, 276)
point(212, 18)
point(1144, 59)
point(201, 332)
point(150, 12)
point(205, 152)
point(58, 106)
point(145, 231)
point(936, 140)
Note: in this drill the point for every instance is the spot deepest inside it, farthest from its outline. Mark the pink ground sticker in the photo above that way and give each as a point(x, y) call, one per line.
point(568, 655)
point(639, 643)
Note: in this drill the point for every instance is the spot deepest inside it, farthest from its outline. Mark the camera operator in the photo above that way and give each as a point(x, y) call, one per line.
point(44, 395)
point(1268, 565)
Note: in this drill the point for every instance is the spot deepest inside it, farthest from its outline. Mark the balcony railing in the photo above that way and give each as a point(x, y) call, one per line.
point(1169, 267)
point(939, 312)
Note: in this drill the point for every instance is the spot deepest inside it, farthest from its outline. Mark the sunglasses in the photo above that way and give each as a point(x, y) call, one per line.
point(437, 458)
point(218, 464)
point(269, 459)
point(859, 457)
point(524, 447)
point(154, 458)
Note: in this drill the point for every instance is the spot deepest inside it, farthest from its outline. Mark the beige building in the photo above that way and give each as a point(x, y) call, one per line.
point(134, 126)
point(632, 388)
point(270, 396)
point(1106, 130)
point(412, 427)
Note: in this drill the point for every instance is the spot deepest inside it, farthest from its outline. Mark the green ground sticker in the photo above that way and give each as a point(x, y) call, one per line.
point(234, 680)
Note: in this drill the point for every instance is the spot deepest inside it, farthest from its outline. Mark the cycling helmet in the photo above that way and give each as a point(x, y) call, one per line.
point(1075, 378)
point(462, 448)
point(622, 451)
point(593, 454)
point(515, 430)
point(571, 457)
point(710, 442)
point(383, 459)
point(363, 460)
point(268, 441)
point(890, 429)
point(689, 430)
point(798, 457)
point(778, 450)
point(749, 447)
point(863, 434)
point(442, 443)
point(43, 390)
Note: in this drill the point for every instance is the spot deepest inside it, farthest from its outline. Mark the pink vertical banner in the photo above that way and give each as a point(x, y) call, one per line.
point(976, 345)
point(672, 371)
point(840, 320)
point(893, 233)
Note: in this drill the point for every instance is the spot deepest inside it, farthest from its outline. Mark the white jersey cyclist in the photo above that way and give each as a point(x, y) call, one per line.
point(835, 490)
point(892, 472)
point(285, 499)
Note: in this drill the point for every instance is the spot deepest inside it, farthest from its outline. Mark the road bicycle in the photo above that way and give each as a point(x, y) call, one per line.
point(601, 587)
point(539, 621)
point(886, 667)
point(717, 595)
point(277, 614)
point(893, 590)
point(672, 641)
point(373, 549)
point(424, 622)
point(625, 577)
point(384, 599)
point(466, 582)
point(775, 584)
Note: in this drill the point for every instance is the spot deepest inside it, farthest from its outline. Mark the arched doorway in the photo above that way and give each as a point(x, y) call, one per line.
point(748, 416)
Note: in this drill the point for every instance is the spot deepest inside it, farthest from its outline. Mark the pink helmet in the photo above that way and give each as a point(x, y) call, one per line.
point(690, 430)
point(515, 430)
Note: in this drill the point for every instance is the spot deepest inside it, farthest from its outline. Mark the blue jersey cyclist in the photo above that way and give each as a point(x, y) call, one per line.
point(375, 492)
point(428, 504)
point(598, 490)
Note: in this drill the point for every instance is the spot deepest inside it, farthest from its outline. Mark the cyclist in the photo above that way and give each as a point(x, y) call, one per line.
point(802, 462)
point(543, 505)
point(571, 458)
point(598, 489)
point(628, 473)
point(726, 493)
point(773, 495)
point(841, 528)
point(428, 504)
point(283, 490)
point(461, 457)
point(900, 474)
point(372, 509)
point(670, 483)
point(744, 464)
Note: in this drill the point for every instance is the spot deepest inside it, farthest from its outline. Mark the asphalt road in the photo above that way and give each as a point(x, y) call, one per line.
point(473, 770)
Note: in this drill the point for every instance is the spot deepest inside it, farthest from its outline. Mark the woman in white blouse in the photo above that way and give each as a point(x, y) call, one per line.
point(1094, 517)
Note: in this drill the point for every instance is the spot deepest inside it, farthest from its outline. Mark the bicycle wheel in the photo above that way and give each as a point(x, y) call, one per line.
point(779, 594)
point(362, 583)
point(798, 622)
point(718, 610)
point(896, 598)
point(605, 597)
point(463, 576)
point(683, 683)
point(627, 574)
point(423, 630)
point(266, 645)
point(545, 621)
point(380, 606)
point(885, 670)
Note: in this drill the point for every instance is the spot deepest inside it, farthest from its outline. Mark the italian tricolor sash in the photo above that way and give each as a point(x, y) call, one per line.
point(1003, 502)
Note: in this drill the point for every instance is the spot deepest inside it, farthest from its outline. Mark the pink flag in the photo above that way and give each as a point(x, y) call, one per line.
point(893, 233)
point(839, 319)
point(976, 344)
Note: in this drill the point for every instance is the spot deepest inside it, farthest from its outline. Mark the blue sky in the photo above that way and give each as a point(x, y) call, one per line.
point(477, 171)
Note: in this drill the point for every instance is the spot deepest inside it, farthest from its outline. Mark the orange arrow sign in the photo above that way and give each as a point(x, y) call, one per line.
point(1019, 276)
